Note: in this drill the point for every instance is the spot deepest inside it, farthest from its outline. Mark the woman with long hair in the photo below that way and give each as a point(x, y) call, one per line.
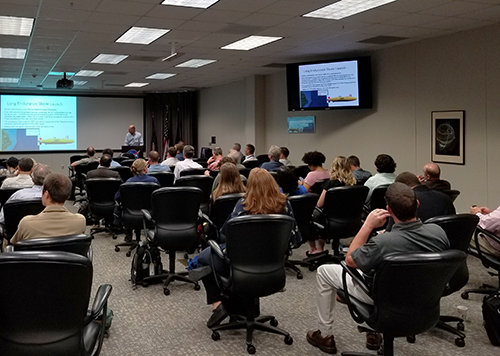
point(230, 181)
point(287, 180)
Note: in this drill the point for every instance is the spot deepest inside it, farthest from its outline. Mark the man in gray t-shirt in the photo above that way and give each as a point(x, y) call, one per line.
point(407, 235)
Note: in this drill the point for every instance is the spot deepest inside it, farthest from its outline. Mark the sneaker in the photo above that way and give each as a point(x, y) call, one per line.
point(218, 315)
point(373, 340)
point(324, 343)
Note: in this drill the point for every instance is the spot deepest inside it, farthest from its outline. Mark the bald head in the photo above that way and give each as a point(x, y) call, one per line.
point(432, 171)
point(131, 129)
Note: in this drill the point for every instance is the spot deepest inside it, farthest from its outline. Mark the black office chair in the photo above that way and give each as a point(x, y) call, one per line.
point(256, 247)
point(193, 172)
point(134, 197)
point(199, 181)
point(245, 172)
point(79, 244)
point(459, 230)
point(377, 199)
point(303, 208)
point(263, 158)
point(128, 155)
point(166, 179)
point(406, 293)
point(81, 171)
point(101, 195)
point(452, 193)
point(253, 164)
point(119, 159)
point(72, 159)
point(301, 171)
point(317, 187)
point(173, 229)
point(6, 193)
point(15, 210)
point(44, 305)
point(124, 172)
point(220, 210)
point(127, 162)
point(488, 261)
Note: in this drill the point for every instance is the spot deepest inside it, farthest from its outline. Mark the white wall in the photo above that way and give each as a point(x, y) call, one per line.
point(456, 72)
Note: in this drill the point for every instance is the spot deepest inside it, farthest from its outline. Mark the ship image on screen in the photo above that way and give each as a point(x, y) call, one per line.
point(332, 84)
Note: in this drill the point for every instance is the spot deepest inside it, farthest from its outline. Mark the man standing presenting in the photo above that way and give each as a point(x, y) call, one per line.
point(407, 235)
point(133, 138)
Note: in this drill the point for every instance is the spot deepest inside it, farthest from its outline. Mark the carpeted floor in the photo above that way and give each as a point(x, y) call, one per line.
point(146, 322)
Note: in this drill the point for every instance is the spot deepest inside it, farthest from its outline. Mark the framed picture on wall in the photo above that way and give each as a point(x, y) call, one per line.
point(301, 124)
point(448, 136)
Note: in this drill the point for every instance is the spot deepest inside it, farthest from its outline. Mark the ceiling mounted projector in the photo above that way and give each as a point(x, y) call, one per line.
point(64, 83)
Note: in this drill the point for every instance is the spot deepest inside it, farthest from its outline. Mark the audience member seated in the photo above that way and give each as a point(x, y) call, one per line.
point(241, 156)
point(488, 220)
point(11, 166)
point(274, 163)
point(109, 151)
point(23, 178)
point(360, 174)
point(139, 169)
point(39, 173)
point(90, 157)
point(55, 220)
point(431, 179)
point(213, 162)
point(285, 152)
point(187, 162)
point(179, 148)
point(340, 176)
point(314, 161)
point(235, 155)
point(171, 160)
point(154, 163)
point(262, 197)
point(385, 174)
point(408, 234)
point(229, 181)
point(288, 183)
point(249, 153)
point(103, 170)
point(222, 162)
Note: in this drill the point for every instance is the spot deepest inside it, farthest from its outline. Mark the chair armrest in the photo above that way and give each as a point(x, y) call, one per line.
point(90, 253)
point(487, 233)
point(217, 250)
point(356, 277)
point(100, 300)
point(209, 228)
point(147, 219)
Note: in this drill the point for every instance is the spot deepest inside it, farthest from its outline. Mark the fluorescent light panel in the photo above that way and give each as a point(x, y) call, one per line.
point(196, 63)
point(141, 35)
point(68, 74)
point(12, 53)
point(9, 80)
point(109, 58)
point(251, 42)
point(89, 73)
point(346, 8)
point(80, 82)
point(200, 4)
point(16, 26)
point(161, 76)
point(136, 85)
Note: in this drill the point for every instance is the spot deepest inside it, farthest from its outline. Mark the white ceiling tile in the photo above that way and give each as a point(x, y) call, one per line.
point(157, 22)
point(212, 15)
point(89, 5)
point(491, 13)
point(202, 26)
point(116, 19)
point(18, 10)
point(259, 19)
point(287, 7)
point(455, 8)
point(174, 12)
point(248, 6)
point(451, 23)
point(125, 7)
point(414, 20)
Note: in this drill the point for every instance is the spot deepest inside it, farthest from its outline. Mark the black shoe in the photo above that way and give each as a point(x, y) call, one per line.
point(198, 273)
point(218, 315)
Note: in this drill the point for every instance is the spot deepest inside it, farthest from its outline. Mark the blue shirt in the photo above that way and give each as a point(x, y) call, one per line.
point(158, 168)
point(271, 166)
point(133, 140)
point(179, 156)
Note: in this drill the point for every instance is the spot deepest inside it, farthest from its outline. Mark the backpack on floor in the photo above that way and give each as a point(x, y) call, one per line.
point(491, 316)
point(146, 262)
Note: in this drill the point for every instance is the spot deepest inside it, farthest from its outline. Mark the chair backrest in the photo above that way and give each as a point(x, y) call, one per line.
point(199, 181)
point(193, 172)
point(222, 207)
point(128, 162)
point(44, 302)
point(6, 193)
point(452, 193)
point(256, 246)
point(407, 289)
point(79, 244)
point(488, 260)
point(119, 159)
point(303, 207)
point(84, 168)
point(128, 155)
point(135, 196)
point(101, 194)
point(75, 158)
point(253, 164)
point(166, 179)
point(317, 187)
point(124, 171)
point(301, 171)
point(245, 172)
point(377, 199)
point(263, 158)
point(15, 210)
point(175, 212)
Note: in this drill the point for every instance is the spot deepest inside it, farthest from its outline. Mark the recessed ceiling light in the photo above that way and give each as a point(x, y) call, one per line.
point(109, 58)
point(89, 73)
point(12, 53)
point(201, 4)
point(251, 42)
point(80, 82)
point(9, 80)
point(16, 26)
point(62, 73)
point(196, 63)
point(142, 35)
point(160, 76)
point(136, 85)
point(346, 8)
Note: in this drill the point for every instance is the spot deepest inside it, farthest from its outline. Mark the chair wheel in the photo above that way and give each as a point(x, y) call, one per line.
point(117, 249)
point(288, 340)
point(114, 237)
point(465, 295)
point(312, 268)
point(299, 276)
point(128, 253)
point(250, 349)
point(144, 284)
point(166, 291)
point(215, 336)
point(186, 256)
point(411, 339)
point(274, 322)
point(459, 342)
point(460, 327)
point(197, 287)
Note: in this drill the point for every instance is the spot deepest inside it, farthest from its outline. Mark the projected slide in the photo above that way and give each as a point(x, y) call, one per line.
point(329, 84)
point(32, 123)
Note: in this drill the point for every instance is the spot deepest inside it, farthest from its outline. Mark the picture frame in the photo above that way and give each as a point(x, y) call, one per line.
point(301, 124)
point(447, 136)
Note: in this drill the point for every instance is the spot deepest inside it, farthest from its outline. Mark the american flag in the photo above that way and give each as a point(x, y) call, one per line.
point(165, 133)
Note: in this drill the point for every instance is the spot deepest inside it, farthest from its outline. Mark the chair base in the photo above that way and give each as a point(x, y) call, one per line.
point(484, 289)
point(387, 349)
point(292, 264)
point(313, 262)
point(96, 230)
point(443, 319)
point(133, 244)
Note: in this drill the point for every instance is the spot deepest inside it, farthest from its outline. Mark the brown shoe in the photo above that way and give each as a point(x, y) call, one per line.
point(373, 340)
point(325, 344)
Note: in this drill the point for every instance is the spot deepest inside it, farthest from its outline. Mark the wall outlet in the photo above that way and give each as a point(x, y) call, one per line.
point(62, 166)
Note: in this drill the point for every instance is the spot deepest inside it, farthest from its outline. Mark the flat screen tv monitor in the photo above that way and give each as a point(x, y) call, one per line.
point(333, 84)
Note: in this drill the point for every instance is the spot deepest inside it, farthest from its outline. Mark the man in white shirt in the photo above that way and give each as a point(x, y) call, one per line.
point(249, 153)
point(133, 138)
point(285, 152)
point(23, 179)
point(488, 220)
point(171, 160)
point(188, 163)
